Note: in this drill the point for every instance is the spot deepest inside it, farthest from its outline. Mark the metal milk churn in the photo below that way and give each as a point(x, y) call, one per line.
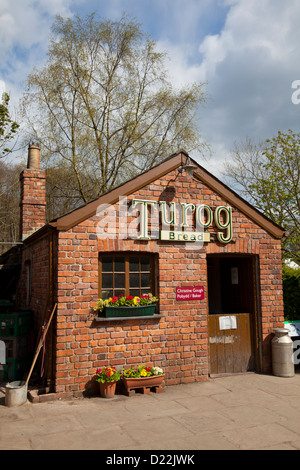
point(282, 353)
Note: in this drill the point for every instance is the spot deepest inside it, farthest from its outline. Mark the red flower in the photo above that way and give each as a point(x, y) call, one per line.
point(129, 297)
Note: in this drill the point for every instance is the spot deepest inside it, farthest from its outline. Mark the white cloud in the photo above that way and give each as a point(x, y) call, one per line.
point(7, 26)
point(250, 66)
point(2, 88)
point(262, 24)
point(24, 32)
point(247, 51)
point(181, 69)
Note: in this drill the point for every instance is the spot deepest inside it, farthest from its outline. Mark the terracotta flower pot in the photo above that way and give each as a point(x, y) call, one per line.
point(153, 382)
point(107, 389)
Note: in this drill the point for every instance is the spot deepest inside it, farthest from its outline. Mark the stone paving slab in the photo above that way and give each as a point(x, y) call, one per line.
point(242, 412)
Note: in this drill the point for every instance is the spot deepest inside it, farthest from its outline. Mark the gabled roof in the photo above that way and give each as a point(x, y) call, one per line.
point(73, 218)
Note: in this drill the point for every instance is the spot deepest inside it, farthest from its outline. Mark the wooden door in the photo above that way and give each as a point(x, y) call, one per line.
point(230, 349)
point(231, 323)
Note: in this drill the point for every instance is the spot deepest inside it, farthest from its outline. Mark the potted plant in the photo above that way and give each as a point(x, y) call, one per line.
point(124, 306)
point(144, 378)
point(107, 378)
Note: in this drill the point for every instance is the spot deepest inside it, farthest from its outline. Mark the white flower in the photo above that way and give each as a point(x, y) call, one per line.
point(157, 370)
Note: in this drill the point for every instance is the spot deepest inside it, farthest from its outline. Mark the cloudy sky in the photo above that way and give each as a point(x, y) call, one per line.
point(247, 51)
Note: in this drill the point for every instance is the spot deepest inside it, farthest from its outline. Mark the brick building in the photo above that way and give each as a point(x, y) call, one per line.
point(213, 261)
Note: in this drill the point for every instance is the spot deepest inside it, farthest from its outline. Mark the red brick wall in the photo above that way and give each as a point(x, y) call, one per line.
point(37, 256)
point(178, 342)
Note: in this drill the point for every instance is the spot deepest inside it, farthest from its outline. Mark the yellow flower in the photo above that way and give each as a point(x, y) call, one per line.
point(136, 300)
point(144, 373)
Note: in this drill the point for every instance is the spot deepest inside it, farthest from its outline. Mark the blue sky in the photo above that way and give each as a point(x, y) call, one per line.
point(247, 51)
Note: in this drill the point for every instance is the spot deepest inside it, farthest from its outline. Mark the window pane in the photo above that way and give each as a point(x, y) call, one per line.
point(107, 264)
point(134, 292)
point(120, 265)
point(132, 271)
point(133, 263)
point(119, 281)
point(107, 280)
point(118, 292)
point(134, 280)
point(106, 294)
point(145, 264)
point(145, 280)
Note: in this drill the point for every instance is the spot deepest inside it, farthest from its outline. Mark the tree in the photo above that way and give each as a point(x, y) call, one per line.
point(9, 204)
point(268, 175)
point(9, 179)
point(104, 108)
point(291, 293)
point(8, 127)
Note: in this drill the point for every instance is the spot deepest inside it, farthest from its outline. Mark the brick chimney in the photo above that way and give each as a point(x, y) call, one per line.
point(33, 194)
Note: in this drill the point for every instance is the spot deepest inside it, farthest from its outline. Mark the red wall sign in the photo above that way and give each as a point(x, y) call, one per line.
point(190, 293)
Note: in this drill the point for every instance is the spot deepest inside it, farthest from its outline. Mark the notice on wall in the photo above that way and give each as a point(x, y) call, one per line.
point(234, 276)
point(227, 323)
point(190, 293)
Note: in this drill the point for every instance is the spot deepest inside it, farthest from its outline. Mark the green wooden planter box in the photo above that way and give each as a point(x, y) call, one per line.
point(141, 311)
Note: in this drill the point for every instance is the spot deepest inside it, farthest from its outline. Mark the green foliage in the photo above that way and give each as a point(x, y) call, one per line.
point(141, 371)
point(279, 189)
point(126, 301)
point(8, 127)
point(291, 293)
point(268, 176)
point(107, 374)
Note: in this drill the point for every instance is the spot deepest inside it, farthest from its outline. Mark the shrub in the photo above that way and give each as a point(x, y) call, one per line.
point(291, 293)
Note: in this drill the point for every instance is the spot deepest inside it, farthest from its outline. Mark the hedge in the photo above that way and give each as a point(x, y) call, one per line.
point(291, 293)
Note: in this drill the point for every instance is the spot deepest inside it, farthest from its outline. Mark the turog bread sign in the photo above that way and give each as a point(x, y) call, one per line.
point(186, 217)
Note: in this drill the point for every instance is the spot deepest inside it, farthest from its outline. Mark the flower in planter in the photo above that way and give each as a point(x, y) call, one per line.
point(141, 371)
point(107, 374)
point(157, 371)
point(125, 301)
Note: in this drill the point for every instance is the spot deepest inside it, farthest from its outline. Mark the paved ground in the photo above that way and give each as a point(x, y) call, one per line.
point(238, 412)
